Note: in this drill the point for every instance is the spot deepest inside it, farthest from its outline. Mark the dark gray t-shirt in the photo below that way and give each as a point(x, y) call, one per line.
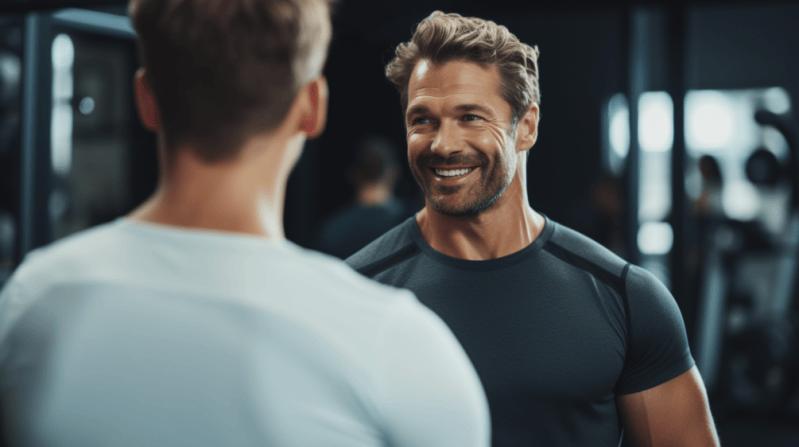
point(555, 331)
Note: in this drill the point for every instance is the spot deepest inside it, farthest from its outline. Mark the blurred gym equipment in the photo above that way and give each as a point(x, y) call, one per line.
point(10, 117)
point(748, 328)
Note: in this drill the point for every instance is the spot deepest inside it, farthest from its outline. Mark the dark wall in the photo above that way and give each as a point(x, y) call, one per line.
point(580, 68)
point(745, 47)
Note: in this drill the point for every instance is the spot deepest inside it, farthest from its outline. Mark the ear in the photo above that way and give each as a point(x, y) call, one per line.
point(145, 102)
point(527, 129)
point(314, 116)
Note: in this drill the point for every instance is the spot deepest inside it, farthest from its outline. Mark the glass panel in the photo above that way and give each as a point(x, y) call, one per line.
point(90, 131)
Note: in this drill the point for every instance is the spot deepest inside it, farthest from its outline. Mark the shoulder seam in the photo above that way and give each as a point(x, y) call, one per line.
point(383, 264)
point(626, 303)
point(581, 263)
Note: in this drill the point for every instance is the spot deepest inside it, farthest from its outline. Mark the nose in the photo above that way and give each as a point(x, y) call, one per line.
point(448, 140)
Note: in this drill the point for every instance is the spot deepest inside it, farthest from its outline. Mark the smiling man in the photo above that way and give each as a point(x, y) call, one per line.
point(574, 346)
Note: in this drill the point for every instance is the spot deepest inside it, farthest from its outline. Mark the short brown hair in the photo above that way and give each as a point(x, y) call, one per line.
point(225, 70)
point(446, 37)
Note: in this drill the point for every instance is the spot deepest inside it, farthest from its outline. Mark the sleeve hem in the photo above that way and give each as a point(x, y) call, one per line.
point(680, 368)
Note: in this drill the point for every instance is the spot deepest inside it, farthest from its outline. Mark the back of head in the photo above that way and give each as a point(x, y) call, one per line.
point(375, 161)
point(441, 38)
point(710, 169)
point(225, 70)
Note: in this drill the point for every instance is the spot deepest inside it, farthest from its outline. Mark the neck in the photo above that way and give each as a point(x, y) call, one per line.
point(373, 195)
point(245, 195)
point(506, 227)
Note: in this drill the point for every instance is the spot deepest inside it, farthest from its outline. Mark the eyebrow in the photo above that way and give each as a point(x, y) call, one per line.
point(473, 108)
point(416, 110)
point(420, 109)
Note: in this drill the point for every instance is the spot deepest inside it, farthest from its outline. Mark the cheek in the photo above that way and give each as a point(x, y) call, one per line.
point(494, 133)
point(490, 142)
point(416, 145)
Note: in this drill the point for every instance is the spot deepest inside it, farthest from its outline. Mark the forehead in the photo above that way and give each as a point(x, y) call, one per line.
point(454, 80)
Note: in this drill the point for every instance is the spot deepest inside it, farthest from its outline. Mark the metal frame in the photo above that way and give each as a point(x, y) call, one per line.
point(95, 22)
point(36, 171)
point(676, 38)
point(637, 37)
point(36, 89)
point(636, 61)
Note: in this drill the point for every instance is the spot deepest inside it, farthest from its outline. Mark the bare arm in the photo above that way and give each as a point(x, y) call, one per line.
point(673, 414)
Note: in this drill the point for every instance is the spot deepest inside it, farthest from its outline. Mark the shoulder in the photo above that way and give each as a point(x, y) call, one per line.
point(642, 282)
point(337, 273)
point(649, 296)
point(393, 243)
point(68, 257)
point(377, 314)
point(584, 253)
point(68, 260)
point(635, 282)
point(347, 291)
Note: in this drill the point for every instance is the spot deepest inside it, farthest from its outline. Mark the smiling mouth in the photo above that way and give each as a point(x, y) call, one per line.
point(452, 173)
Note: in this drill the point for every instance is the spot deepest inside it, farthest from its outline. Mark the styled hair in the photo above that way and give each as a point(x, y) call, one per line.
point(225, 70)
point(446, 37)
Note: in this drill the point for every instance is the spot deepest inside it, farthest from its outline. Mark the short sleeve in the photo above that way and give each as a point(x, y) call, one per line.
point(658, 344)
point(429, 392)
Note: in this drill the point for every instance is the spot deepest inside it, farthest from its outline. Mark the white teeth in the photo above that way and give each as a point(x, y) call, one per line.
point(452, 172)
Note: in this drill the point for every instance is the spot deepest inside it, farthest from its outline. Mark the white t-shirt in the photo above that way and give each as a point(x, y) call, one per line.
point(134, 334)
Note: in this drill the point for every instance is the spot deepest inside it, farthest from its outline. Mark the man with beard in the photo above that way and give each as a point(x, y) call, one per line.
point(574, 346)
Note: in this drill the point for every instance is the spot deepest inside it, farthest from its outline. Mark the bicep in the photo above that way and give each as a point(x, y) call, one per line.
point(658, 344)
point(675, 413)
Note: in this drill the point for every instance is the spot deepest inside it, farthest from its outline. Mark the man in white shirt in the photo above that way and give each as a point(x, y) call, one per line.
point(192, 321)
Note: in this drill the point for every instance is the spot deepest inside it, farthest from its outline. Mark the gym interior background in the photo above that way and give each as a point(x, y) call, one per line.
point(668, 134)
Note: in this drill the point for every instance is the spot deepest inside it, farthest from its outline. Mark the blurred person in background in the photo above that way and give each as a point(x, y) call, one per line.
point(375, 210)
point(709, 217)
point(193, 321)
point(571, 342)
point(708, 204)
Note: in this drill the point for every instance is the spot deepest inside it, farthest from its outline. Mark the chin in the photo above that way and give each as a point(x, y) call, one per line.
point(462, 210)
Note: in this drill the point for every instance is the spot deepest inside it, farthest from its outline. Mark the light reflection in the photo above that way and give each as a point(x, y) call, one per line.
point(656, 122)
point(740, 200)
point(710, 122)
point(774, 141)
point(655, 238)
point(777, 100)
point(63, 55)
point(86, 105)
point(10, 75)
point(619, 114)
point(61, 138)
point(63, 52)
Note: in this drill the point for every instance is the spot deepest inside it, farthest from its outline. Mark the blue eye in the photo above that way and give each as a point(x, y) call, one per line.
point(469, 116)
point(421, 120)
